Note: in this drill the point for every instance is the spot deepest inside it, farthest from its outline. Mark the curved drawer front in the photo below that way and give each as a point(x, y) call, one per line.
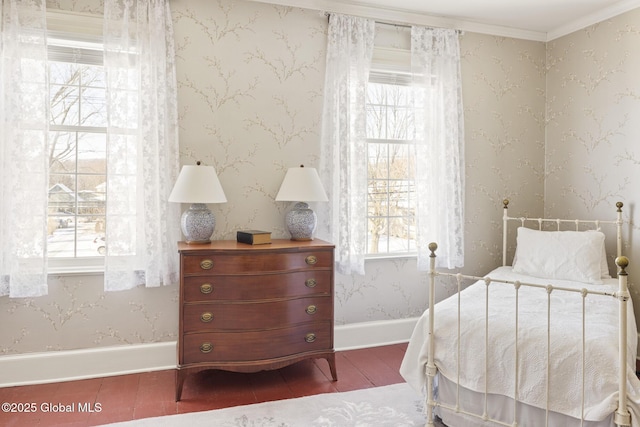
point(257, 287)
point(256, 315)
point(230, 263)
point(256, 345)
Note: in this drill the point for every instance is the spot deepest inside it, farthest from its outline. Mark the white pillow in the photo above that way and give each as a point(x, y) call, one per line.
point(563, 255)
point(604, 267)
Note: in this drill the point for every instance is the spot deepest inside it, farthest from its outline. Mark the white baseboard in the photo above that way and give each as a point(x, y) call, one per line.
point(55, 366)
point(373, 334)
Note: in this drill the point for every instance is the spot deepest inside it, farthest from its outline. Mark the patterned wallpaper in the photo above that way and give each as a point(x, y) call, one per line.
point(251, 79)
point(593, 110)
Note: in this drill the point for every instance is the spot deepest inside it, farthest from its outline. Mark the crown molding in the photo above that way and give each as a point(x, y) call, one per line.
point(404, 16)
point(593, 18)
point(396, 15)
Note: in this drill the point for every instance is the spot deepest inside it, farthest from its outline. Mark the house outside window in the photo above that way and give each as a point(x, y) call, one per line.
point(390, 150)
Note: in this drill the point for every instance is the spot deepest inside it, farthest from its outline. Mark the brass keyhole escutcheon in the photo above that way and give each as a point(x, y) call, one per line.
point(310, 283)
point(206, 347)
point(206, 288)
point(206, 317)
point(311, 259)
point(206, 264)
point(311, 337)
point(311, 309)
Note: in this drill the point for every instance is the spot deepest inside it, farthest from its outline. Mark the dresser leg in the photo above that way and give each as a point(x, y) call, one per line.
point(332, 366)
point(180, 375)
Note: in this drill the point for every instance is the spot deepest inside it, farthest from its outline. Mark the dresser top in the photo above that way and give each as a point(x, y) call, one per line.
point(276, 244)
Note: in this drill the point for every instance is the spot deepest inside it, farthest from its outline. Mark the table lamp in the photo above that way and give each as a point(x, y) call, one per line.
point(301, 185)
point(197, 185)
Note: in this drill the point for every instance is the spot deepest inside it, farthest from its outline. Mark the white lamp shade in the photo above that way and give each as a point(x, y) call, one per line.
point(301, 184)
point(197, 184)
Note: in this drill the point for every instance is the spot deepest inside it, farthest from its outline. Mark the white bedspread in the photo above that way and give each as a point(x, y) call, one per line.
point(601, 377)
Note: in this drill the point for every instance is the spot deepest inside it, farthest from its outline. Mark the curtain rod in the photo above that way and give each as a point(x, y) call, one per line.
point(394, 24)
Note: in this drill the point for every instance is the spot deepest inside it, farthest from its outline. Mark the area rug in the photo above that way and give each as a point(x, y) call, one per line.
point(396, 405)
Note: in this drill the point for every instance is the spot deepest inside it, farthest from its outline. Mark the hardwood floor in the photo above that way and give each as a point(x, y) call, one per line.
point(151, 394)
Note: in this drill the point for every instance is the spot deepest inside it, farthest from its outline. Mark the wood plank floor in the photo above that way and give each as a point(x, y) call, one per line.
point(128, 397)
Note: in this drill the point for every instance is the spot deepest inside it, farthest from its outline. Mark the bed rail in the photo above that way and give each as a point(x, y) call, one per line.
point(622, 416)
point(595, 223)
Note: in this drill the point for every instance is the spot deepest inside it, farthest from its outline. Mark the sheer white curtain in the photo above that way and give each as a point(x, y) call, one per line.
point(435, 65)
point(343, 158)
point(24, 165)
point(142, 228)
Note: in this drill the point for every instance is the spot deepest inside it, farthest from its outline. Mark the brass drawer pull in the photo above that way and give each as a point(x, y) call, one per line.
point(311, 309)
point(311, 337)
point(311, 259)
point(206, 264)
point(206, 347)
point(310, 283)
point(206, 317)
point(206, 288)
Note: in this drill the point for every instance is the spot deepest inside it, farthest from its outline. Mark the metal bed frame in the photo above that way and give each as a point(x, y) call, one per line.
point(622, 416)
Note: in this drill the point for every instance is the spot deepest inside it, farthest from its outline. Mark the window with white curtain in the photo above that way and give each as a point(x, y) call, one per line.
point(81, 177)
point(391, 109)
point(434, 184)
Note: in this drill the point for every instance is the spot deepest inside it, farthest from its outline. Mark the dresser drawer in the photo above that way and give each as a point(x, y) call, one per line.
point(232, 263)
point(256, 345)
point(256, 315)
point(257, 287)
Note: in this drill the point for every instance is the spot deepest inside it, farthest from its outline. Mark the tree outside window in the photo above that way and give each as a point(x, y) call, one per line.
point(391, 188)
point(77, 156)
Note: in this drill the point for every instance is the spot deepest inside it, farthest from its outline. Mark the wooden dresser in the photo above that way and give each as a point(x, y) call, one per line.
point(248, 308)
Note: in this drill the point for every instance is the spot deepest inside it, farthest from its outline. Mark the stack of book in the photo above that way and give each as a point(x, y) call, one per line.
point(254, 237)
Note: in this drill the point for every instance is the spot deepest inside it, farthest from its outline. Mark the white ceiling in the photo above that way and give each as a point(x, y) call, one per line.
point(534, 15)
point(541, 20)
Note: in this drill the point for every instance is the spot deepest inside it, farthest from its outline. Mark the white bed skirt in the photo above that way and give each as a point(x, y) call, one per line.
point(499, 408)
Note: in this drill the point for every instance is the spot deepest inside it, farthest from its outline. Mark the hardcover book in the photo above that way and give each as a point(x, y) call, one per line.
point(253, 237)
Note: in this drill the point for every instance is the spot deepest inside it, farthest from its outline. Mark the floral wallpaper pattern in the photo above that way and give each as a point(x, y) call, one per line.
point(251, 79)
point(592, 153)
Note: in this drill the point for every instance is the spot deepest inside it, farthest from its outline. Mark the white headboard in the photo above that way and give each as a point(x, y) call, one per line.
point(540, 221)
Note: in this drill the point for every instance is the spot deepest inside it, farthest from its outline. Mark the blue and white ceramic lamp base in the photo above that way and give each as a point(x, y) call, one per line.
point(198, 224)
point(301, 222)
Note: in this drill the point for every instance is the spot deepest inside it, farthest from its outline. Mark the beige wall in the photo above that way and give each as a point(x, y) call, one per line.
point(593, 128)
point(251, 78)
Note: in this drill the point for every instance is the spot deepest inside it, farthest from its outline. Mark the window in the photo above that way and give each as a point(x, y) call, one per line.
point(79, 163)
point(391, 190)
point(77, 147)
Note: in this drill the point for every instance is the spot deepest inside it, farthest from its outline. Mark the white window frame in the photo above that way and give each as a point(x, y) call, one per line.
point(390, 66)
point(77, 36)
